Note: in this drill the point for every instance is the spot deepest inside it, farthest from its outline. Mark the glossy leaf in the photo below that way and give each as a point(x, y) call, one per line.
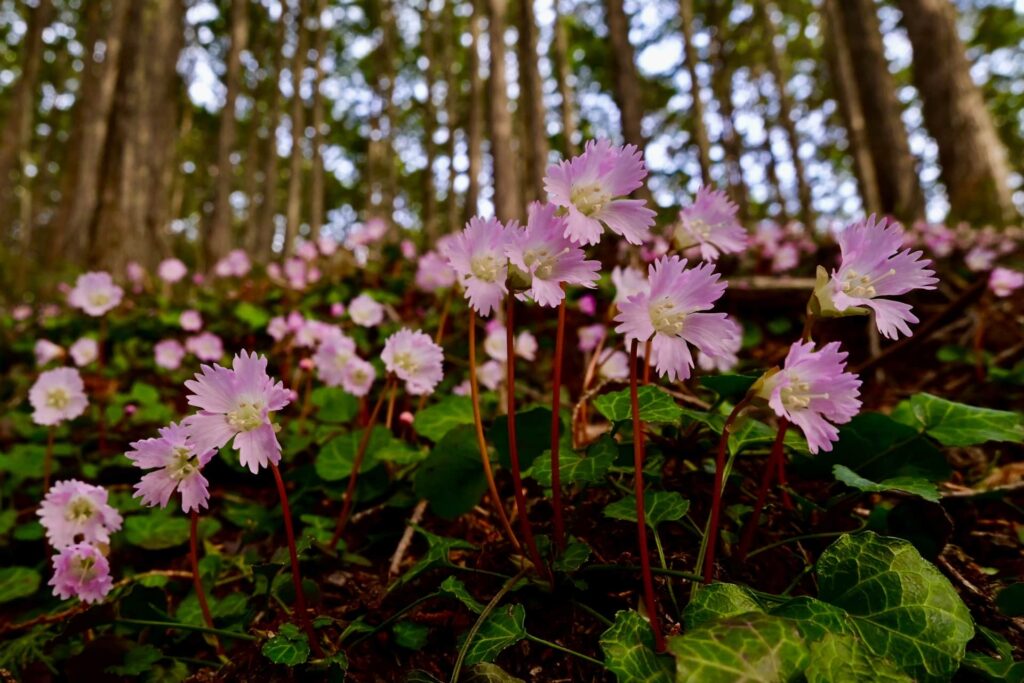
point(915, 486)
point(502, 629)
point(959, 424)
point(655, 405)
point(628, 648)
point(436, 420)
point(659, 506)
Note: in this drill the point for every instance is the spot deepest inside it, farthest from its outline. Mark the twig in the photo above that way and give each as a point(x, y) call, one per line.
point(406, 541)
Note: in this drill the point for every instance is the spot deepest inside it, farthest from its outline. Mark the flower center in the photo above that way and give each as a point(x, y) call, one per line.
point(182, 464)
point(341, 359)
point(700, 228)
point(246, 417)
point(58, 398)
point(83, 568)
point(589, 199)
point(666, 318)
point(486, 267)
point(862, 286)
point(541, 261)
point(797, 395)
point(406, 361)
point(99, 298)
point(79, 509)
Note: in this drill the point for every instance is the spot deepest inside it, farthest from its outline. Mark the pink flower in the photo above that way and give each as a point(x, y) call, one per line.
point(979, 258)
point(495, 345)
point(491, 374)
point(872, 266)
point(205, 346)
point(590, 336)
point(415, 358)
point(337, 309)
point(365, 311)
point(277, 328)
point(526, 346)
point(84, 351)
point(135, 272)
point(81, 571)
point(168, 354)
point(587, 304)
point(357, 377)
point(95, 293)
point(671, 314)
point(46, 351)
point(592, 187)
point(372, 231)
point(171, 270)
point(236, 264)
point(57, 395)
point(333, 357)
point(1004, 281)
point(433, 272)
point(814, 392)
point(306, 251)
point(545, 259)
point(711, 223)
point(628, 281)
point(21, 312)
point(327, 245)
point(408, 249)
point(939, 239)
point(477, 255)
point(74, 511)
point(236, 403)
point(724, 362)
point(785, 258)
point(613, 364)
point(190, 321)
point(175, 466)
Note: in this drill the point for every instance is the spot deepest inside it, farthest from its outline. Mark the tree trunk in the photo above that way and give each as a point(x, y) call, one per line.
point(316, 204)
point(844, 79)
point(450, 41)
point(771, 167)
point(389, 51)
point(531, 101)
point(263, 237)
point(721, 85)
point(506, 188)
point(700, 131)
point(563, 71)
point(427, 37)
point(973, 161)
point(626, 82)
point(219, 238)
point(298, 124)
point(475, 119)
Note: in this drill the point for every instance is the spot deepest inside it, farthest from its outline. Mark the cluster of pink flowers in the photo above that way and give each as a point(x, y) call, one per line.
point(95, 293)
point(235, 264)
point(338, 364)
point(415, 359)
point(710, 224)
point(174, 464)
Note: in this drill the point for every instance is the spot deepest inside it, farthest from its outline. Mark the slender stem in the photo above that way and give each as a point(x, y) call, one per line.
point(762, 491)
point(307, 402)
point(593, 612)
point(300, 597)
point(197, 581)
point(101, 362)
point(647, 360)
point(513, 448)
point(48, 459)
point(390, 415)
point(556, 408)
point(808, 327)
point(780, 463)
point(481, 441)
point(486, 612)
point(658, 546)
point(561, 648)
point(187, 627)
point(805, 537)
point(394, 617)
point(711, 537)
point(439, 335)
point(641, 522)
point(357, 463)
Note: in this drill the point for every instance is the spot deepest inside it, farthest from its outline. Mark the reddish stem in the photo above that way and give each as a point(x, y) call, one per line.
point(198, 582)
point(641, 519)
point(300, 597)
point(513, 447)
point(716, 500)
point(556, 408)
point(780, 463)
point(647, 360)
point(48, 459)
point(770, 468)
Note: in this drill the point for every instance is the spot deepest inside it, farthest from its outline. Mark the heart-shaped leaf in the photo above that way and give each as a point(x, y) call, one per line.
point(628, 648)
point(655, 405)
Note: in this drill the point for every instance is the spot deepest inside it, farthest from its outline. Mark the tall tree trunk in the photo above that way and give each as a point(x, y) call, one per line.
point(721, 85)
point(298, 124)
point(973, 161)
point(263, 235)
point(899, 190)
point(777, 67)
point(316, 204)
point(531, 101)
point(219, 238)
point(771, 167)
point(700, 131)
point(450, 41)
point(427, 37)
point(563, 71)
point(475, 118)
point(389, 52)
point(506, 187)
point(16, 133)
point(844, 79)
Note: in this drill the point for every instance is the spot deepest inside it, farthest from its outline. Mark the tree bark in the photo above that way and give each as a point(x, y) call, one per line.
point(563, 72)
point(531, 101)
point(626, 79)
point(507, 205)
point(316, 204)
point(721, 85)
point(450, 41)
point(973, 161)
point(219, 238)
point(427, 37)
point(475, 119)
point(700, 131)
point(263, 236)
point(298, 125)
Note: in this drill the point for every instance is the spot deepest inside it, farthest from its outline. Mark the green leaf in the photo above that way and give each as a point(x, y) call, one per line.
point(434, 421)
point(838, 657)
point(628, 648)
point(747, 647)
point(502, 629)
point(958, 424)
point(137, 660)
point(730, 387)
point(253, 316)
point(454, 587)
point(655, 405)
point(156, 530)
point(438, 550)
point(815, 618)
point(533, 435)
point(410, 635)
point(901, 605)
point(334, 462)
point(18, 582)
point(659, 506)
point(289, 647)
point(452, 477)
point(576, 553)
point(334, 405)
point(717, 601)
point(490, 673)
point(915, 486)
point(575, 468)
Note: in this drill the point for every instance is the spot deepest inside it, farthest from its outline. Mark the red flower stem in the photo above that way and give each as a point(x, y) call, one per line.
point(647, 361)
point(513, 447)
point(770, 468)
point(556, 408)
point(48, 459)
point(787, 502)
point(716, 500)
point(641, 520)
point(101, 361)
point(197, 581)
point(350, 490)
point(300, 597)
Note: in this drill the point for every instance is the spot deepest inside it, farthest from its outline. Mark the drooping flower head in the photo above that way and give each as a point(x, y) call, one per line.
point(365, 311)
point(671, 315)
point(358, 376)
point(814, 392)
point(172, 270)
point(477, 255)
point(592, 188)
point(236, 403)
point(332, 357)
point(81, 571)
point(74, 511)
point(84, 351)
point(205, 346)
point(57, 395)
point(711, 223)
point(872, 267)
point(175, 466)
point(46, 351)
point(168, 354)
point(544, 259)
point(414, 358)
point(95, 293)
point(1004, 281)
